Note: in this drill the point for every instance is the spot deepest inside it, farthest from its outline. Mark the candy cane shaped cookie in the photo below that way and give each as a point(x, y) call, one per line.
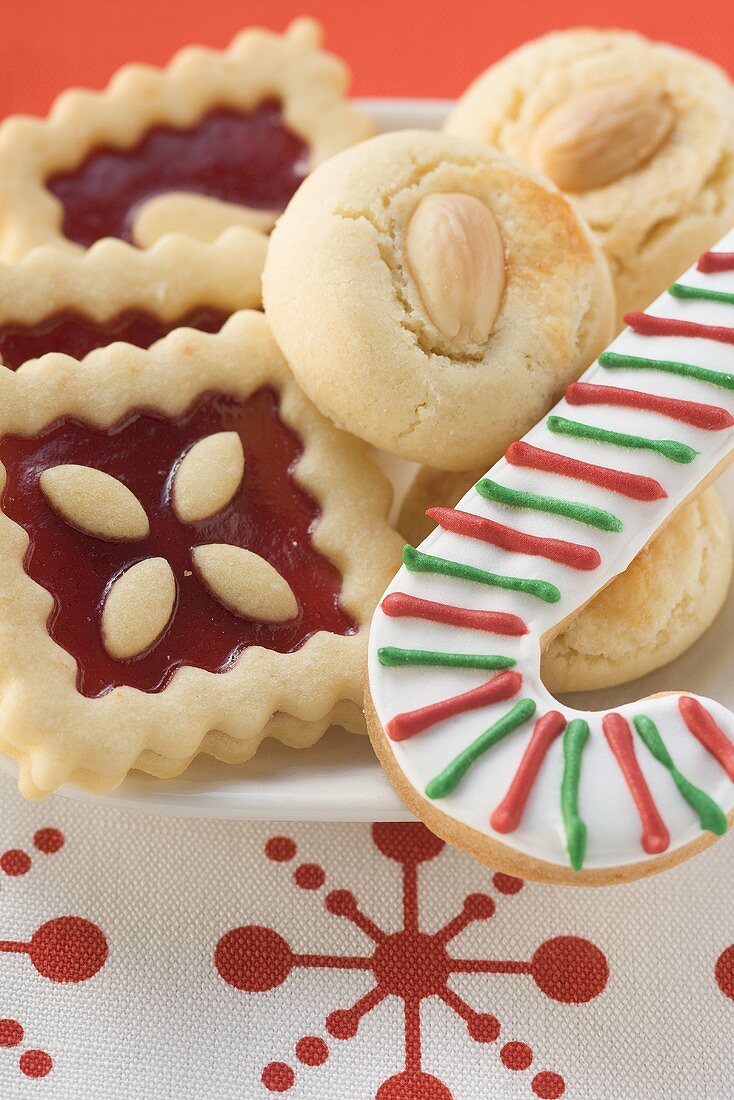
point(473, 741)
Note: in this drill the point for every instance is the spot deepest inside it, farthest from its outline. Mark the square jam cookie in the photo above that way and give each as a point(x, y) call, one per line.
point(215, 139)
point(73, 303)
point(189, 557)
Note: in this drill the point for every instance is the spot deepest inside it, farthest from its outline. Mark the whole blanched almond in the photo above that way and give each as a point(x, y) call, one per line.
point(455, 254)
point(597, 136)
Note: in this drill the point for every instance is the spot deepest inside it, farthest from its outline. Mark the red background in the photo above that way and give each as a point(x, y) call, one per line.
point(395, 47)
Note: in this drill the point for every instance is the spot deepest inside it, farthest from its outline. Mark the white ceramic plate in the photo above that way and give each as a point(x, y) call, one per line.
point(339, 778)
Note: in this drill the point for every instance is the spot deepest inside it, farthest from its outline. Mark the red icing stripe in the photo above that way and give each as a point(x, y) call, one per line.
point(646, 325)
point(400, 605)
point(616, 481)
point(508, 814)
point(507, 538)
point(496, 690)
point(655, 836)
point(710, 417)
point(708, 732)
point(716, 261)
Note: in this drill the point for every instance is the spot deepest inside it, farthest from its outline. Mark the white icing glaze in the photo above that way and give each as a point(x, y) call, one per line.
point(605, 802)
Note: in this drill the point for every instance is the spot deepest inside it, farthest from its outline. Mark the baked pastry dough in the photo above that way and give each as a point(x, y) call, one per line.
point(74, 302)
point(215, 139)
point(189, 556)
point(639, 134)
point(433, 296)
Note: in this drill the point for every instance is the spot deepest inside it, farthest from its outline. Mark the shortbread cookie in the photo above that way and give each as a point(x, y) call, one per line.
point(647, 616)
point(470, 736)
point(216, 139)
point(654, 611)
point(639, 134)
point(433, 297)
point(53, 301)
point(189, 555)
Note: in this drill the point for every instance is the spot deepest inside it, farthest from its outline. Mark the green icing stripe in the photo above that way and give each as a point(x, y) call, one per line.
point(678, 290)
point(392, 657)
point(418, 562)
point(710, 814)
point(516, 498)
point(668, 448)
point(447, 780)
point(611, 359)
point(574, 741)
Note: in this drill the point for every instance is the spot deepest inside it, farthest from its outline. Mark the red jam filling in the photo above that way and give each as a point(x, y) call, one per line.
point(76, 335)
point(252, 159)
point(270, 514)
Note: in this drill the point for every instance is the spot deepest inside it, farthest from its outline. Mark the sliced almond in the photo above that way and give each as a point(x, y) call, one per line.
point(455, 254)
point(138, 607)
point(94, 502)
point(245, 583)
point(208, 477)
point(600, 135)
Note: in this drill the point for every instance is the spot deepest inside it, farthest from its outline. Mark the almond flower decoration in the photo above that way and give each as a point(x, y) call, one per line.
point(140, 601)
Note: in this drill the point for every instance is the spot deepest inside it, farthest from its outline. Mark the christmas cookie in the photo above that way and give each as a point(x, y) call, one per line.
point(654, 611)
point(434, 297)
point(215, 139)
point(640, 136)
point(647, 616)
point(53, 301)
point(189, 555)
point(472, 739)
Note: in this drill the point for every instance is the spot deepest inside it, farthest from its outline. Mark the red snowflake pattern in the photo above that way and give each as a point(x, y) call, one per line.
point(409, 964)
point(724, 972)
point(15, 861)
point(65, 949)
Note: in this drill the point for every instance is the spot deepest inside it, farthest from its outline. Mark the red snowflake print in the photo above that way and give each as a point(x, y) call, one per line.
point(65, 949)
point(409, 964)
point(724, 972)
point(16, 861)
